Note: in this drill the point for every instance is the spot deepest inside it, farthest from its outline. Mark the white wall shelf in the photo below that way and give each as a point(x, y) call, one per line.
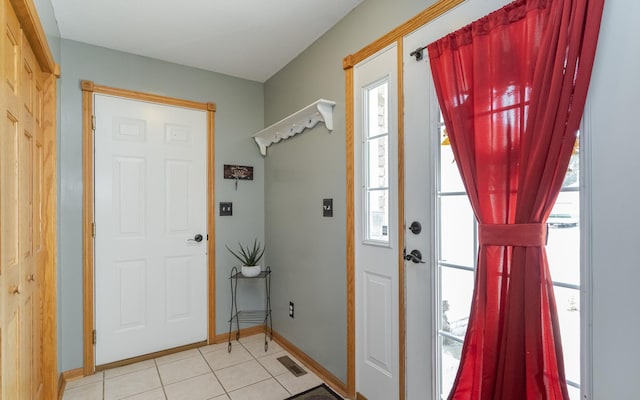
point(308, 117)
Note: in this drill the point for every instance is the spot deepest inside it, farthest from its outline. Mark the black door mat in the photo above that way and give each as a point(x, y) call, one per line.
point(291, 365)
point(320, 392)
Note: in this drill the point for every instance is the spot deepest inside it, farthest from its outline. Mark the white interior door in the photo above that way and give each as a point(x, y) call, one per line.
point(376, 225)
point(150, 203)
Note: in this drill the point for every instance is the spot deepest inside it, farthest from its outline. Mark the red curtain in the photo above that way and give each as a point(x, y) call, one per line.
point(512, 88)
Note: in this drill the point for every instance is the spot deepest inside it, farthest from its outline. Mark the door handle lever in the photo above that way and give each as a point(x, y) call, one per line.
point(415, 257)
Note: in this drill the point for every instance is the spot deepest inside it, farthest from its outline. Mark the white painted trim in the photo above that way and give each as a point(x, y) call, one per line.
point(586, 256)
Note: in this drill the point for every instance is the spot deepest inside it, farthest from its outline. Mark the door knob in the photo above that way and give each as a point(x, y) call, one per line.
point(415, 257)
point(31, 278)
point(197, 238)
point(16, 290)
point(415, 227)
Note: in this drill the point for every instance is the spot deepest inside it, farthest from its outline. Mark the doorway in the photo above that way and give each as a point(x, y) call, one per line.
point(438, 291)
point(149, 224)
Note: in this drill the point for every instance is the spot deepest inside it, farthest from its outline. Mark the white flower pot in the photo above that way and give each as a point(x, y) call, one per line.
point(250, 271)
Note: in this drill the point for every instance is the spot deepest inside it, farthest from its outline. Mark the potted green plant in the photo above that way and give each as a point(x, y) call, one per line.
point(249, 257)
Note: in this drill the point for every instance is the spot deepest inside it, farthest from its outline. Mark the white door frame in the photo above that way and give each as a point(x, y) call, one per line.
point(88, 90)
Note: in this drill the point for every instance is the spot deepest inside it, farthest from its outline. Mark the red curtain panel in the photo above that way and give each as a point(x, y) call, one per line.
point(512, 88)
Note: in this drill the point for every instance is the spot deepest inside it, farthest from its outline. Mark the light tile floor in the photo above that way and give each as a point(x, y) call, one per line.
point(206, 373)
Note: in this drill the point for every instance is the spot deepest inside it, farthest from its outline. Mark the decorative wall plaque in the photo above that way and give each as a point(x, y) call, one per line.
point(241, 172)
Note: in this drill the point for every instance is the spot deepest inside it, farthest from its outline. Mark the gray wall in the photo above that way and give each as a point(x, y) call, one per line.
point(239, 114)
point(48, 20)
point(307, 251)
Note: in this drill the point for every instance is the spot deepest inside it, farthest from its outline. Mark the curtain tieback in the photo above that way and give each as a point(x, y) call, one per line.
point(525, 235)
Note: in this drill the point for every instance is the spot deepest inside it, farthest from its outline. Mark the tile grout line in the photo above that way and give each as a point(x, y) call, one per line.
point(213, 372)
point(271, 376)
point(104, 380)
point(269, 372)
point(201, 357)
point(155, 362)
point(254, 359)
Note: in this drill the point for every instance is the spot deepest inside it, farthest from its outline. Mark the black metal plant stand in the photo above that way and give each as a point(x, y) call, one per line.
point(263, 316)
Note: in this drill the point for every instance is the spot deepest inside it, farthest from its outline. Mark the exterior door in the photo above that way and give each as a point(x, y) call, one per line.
point(432, 335)
point(376, 226)
point(419, 205)
point(150, 227)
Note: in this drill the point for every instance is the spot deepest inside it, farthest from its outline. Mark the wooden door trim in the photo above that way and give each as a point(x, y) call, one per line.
point(87, 220)
point(30, 23)
point(350, 228)
point(396, 35)
point(88, 279)
point(49, 328)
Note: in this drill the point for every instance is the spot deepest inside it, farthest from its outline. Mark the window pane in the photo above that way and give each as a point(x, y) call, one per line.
point(572, 177)
point(378, 162)
point(457, 231)
point(568, 304)
point(450, 180)
point(376, 149)
point(378, 206)
point(450, 356)
point(456, 287)
point(563, 243)
point(378, 111)
point(574, 393)
point(457, 245)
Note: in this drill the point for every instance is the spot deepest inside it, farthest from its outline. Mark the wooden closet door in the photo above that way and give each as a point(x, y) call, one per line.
point(21, 240)
point(27, 207)
point(31, 140)
point(12, 252)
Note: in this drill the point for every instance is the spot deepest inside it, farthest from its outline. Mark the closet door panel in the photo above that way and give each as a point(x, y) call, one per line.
point(27, 209)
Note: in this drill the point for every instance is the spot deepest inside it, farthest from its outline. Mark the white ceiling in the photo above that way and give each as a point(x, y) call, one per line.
point(251, 39)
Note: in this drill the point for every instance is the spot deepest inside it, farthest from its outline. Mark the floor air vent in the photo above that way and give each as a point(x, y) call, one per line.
point(291, 365)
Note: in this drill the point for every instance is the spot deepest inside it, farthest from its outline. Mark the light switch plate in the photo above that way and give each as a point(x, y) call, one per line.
point(226, 209)
point(327, 207)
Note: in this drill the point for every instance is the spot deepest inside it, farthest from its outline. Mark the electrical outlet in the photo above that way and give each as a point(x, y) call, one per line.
point(291, 309)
